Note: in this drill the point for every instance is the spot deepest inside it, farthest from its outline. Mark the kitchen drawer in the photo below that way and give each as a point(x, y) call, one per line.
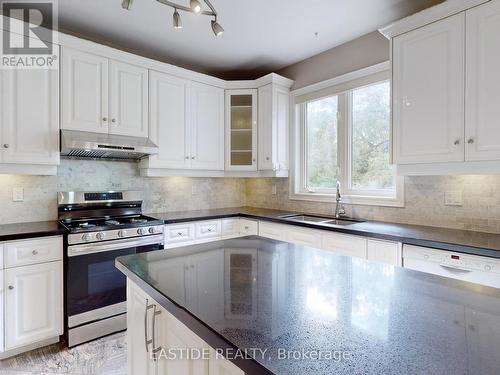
point(249, 227)
point(273, 231)
point(304, 236)
point(178, 233)
point(208, 229)
point(33, 251)
point(230, 228)
point(345, 244)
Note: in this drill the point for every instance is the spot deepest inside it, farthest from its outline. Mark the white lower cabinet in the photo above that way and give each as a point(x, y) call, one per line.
point(31, 294)
point(33, 304)
point(155, 337)
point(249, 227)
point(273, 231)
point(345, 244)
point(230, 228)
point(385, 251)
point(304, 237)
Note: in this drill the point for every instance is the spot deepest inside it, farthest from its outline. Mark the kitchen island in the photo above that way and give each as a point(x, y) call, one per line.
point(272, 307)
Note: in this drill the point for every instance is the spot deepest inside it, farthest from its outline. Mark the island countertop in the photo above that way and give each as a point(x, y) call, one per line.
point(290, 301)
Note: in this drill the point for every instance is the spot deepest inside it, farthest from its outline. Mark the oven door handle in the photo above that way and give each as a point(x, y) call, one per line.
point(97, 247)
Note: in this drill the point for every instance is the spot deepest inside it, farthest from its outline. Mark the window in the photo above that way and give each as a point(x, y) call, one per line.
point(345, 136)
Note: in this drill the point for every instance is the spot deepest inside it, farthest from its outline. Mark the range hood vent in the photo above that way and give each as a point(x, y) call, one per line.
point(87, 145)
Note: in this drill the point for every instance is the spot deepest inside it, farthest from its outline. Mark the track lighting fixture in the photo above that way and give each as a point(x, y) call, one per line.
point(195, 6)
point(177, 20)
point(127, 4)
point(217, 28)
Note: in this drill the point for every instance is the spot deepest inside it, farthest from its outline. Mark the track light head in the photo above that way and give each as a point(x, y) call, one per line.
point(195, 6)
point(127, 4)
point(217, 28)
point(177, 20)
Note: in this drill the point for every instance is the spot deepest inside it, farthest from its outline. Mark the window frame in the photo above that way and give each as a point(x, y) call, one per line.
point(343, 87)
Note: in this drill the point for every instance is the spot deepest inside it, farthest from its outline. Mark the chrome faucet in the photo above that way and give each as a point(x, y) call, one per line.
point(339, 207)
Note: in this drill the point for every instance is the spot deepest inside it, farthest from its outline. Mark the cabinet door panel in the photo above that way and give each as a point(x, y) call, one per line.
point(138, 359)
point(482, 127)
point(221, 366)
point(84, 92)
point(385, 252)
point(169, 125)
point(128, 100)
point(345, 244)
point(33, 304)
point(29, 121)
point(428, 96)
point(207, 127)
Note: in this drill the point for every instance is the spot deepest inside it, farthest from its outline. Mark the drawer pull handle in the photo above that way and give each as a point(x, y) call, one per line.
point(179, 234)
point(34, 252)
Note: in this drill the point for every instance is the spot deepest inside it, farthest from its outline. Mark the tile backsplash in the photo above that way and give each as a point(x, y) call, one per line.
point(424, 196)
point(424, 202)
point(160, 194)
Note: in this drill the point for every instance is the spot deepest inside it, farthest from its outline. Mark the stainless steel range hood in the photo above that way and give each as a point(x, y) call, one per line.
point(79, 144)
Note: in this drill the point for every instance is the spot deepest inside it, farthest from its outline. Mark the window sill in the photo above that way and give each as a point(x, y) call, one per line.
point(350, 199)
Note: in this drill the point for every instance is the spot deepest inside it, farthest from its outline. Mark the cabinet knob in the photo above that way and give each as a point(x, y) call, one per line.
point(113, 120)
point(254, 160)
point(179, 234)
point(34, 252)
point(267, 157)
point(192, 157)
point(470, 141)
point(187, 157)
point(457, 142)
point(11, 287)
point(6, 145)
point(104, 119)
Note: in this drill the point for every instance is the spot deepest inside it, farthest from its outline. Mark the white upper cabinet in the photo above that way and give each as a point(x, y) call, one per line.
point(169, 128)
point(103, 96)
point(29, 119)
point(428, 93)
point(273, 133)
point(482, 130)
point(128, 106)
point(241, 130)
point(207, 127)
point(84, 92)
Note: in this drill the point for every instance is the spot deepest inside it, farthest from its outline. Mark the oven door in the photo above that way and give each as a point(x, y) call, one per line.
point(95, 289)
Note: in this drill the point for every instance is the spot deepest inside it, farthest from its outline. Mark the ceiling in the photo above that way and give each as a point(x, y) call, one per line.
point(260, 35)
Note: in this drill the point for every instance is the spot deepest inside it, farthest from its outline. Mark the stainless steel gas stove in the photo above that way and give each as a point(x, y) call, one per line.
point(101, 227)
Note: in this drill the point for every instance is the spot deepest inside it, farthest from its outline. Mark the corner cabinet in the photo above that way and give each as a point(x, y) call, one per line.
point(241, 130)
point(445, 90)
point(187, 124)
point(101, 95)
point(29, 97)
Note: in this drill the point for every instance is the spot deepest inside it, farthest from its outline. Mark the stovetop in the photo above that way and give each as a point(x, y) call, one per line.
point(109, 223)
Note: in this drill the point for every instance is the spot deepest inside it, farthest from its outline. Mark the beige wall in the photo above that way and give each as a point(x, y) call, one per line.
point(365, 51)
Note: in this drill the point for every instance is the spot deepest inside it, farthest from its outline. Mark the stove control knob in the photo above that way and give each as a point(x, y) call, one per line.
point(101, 236)
point(86, 237)
point(122, 233)
point(152, 230)
point(142, 231)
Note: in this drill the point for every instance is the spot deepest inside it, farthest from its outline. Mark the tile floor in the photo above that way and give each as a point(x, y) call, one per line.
point(106, 356)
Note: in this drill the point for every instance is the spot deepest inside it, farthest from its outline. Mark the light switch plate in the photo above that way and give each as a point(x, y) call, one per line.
point(18, 194)
point(453, 198)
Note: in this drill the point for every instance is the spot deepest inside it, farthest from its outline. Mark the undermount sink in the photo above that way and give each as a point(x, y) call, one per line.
point(321, 219)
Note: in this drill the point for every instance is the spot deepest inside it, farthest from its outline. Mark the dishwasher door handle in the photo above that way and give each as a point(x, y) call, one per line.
point(457, 271)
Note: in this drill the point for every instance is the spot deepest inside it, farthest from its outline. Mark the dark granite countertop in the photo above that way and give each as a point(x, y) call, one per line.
point(360, 317)
point(478, 243)
point(18, 231)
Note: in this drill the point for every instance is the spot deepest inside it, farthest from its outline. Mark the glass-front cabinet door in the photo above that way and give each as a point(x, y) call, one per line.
point(241, 130)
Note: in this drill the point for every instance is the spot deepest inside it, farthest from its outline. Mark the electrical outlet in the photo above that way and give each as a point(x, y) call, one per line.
point(453, 198)
point(18, 194)
point(274, 190)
